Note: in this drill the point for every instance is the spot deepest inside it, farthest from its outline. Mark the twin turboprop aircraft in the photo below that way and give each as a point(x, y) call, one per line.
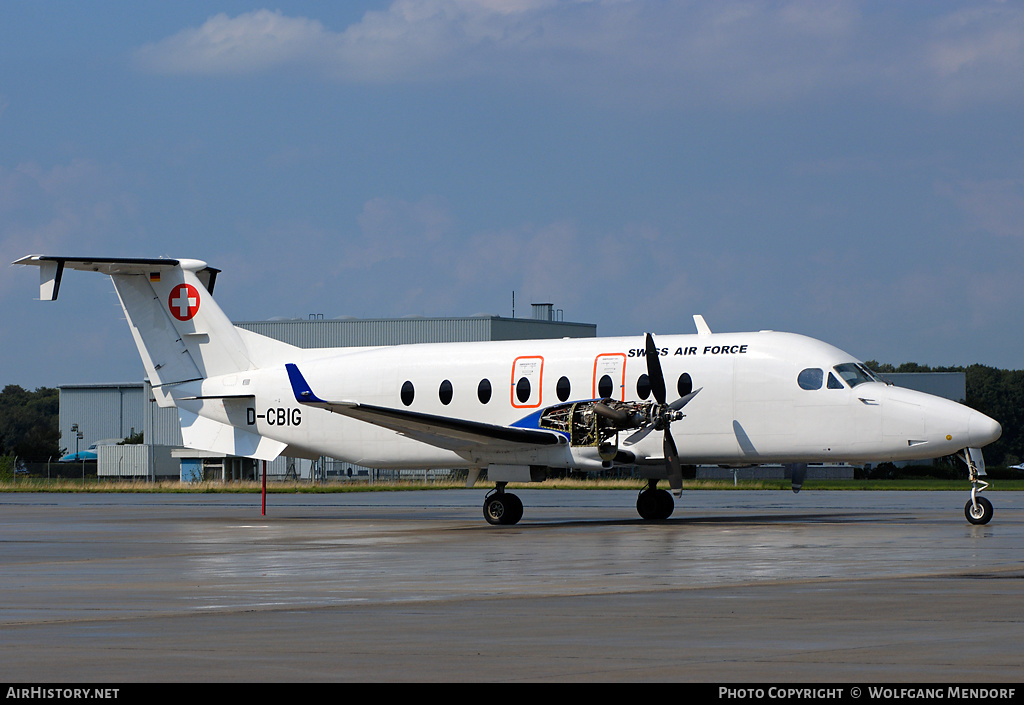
point(519, 408)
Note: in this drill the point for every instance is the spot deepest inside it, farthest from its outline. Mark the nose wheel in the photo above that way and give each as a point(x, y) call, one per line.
point(978, 510)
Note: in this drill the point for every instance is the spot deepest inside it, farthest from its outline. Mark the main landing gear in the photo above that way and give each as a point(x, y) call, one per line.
point(653, 503)
point(978, 510)
point(501, 507)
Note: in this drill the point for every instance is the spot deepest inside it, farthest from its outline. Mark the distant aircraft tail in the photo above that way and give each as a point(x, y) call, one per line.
point(180, 331)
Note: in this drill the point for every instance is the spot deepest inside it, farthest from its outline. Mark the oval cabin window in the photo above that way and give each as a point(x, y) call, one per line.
point(643, 387)
point(685, 384)
point(563, 389)
point(523, 390)
point(444, 392)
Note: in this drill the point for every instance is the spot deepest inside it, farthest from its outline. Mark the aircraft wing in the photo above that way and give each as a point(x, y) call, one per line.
point(441, 431)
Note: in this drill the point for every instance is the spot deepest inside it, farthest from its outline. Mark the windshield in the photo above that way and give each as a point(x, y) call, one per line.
point(854, 373)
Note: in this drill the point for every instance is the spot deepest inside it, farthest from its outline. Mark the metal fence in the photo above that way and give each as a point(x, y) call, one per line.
point(53, 470)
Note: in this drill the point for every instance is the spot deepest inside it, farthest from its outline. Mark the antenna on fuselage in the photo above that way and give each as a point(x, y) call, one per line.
point(702, 326)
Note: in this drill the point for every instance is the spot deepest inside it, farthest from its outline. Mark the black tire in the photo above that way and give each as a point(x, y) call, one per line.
point(654, 505)
point(647, 505)
point(666, 505)
point(982, 514)
point(515, 509)
point(503, 508)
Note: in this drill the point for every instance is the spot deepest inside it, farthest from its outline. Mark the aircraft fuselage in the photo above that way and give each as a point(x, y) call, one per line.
point(517, 408)
point(751, 408)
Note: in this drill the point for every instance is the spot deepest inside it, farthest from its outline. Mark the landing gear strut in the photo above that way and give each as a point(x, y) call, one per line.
point(653, 503)
point(978, 510)
point(501, 507)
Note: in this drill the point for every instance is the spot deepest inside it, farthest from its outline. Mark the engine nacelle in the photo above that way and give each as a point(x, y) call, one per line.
point(596, 423)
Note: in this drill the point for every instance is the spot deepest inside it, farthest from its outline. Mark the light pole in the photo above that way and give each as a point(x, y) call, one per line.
point(78, 436)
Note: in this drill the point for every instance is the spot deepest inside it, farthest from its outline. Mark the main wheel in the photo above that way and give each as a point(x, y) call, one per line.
point(503, 508)
point(980, 514)
point(654, 504)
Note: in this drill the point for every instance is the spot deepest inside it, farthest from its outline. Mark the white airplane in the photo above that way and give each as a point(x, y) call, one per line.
point(518, 408)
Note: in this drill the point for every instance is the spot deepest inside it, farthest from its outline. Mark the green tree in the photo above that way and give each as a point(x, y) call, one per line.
point(29, 423)
point(133, 439)
point(1000, 395)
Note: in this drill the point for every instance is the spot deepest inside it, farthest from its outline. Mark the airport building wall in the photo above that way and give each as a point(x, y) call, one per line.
point(101, 411)
point(136, 462)
point(774, 472)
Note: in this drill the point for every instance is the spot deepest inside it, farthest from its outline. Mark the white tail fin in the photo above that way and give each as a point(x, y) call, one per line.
point(180, 331)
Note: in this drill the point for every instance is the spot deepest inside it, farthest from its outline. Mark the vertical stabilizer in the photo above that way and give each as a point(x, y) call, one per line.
point(180, 331)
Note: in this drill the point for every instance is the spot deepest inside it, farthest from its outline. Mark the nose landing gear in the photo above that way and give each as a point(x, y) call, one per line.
point(978, 510)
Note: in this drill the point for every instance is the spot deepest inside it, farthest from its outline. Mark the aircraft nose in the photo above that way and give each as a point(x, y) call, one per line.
point(981, 430)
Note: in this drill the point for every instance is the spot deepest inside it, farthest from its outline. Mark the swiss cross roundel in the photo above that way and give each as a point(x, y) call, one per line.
point(184, 302)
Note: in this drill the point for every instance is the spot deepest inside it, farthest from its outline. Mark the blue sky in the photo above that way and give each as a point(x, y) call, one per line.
point(852, 171)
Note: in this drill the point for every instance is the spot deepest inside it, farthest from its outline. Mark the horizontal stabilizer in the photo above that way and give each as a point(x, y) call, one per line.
point(441, 431)
point(51, 269)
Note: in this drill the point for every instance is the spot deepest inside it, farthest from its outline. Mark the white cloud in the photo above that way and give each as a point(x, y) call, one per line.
point(251, 42)
point(410, 40)
point(737, 52)
point(979, 54)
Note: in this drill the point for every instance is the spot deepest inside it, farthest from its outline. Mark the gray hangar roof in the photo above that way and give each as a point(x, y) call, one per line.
point(354, 332)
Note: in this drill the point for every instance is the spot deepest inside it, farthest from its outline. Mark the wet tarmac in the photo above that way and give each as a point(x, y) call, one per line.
point(738, 586)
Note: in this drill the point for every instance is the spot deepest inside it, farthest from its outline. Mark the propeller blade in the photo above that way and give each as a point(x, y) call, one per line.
point(639, 435)
point(654, 373)
point(672, 465)
point(683, 401)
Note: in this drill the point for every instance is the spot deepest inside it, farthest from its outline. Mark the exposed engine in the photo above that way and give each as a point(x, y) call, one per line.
point(596, 422)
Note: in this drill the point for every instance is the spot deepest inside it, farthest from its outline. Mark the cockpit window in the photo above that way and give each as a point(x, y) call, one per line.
point(854, 374)
point(866, 370)
point(834, 383)
point(810, 378)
